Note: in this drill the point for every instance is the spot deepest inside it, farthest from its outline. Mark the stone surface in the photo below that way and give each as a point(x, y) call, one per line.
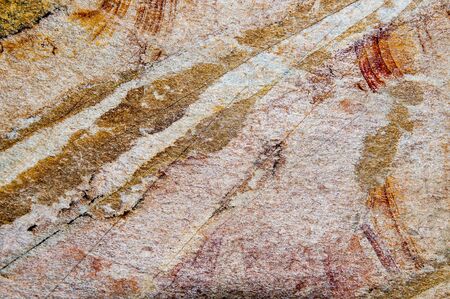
point(224, 149)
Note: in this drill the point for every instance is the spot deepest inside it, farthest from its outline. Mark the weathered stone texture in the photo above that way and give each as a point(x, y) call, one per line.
point(224, 149)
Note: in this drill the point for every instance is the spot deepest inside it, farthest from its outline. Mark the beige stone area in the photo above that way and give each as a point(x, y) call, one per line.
point(224, 149)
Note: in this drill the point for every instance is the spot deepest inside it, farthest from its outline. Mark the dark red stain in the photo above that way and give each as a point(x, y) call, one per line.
point(379, 67)
point(300, 285)
point(383, 255)
point(331, 274)
point(347, 267)
point(366, 69)
point(375, 60)
point(96, 266)
point(208, 254)
point(385, 200)
point(203, 263)
point(382, 41)
point(294, 270)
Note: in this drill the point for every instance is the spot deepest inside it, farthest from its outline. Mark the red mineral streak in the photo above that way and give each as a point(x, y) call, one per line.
point(347, 268)
point(377, 63)
point(383, 255)
point(366, 70)
point(383, 201)
point(385, 53)
point(375, 60)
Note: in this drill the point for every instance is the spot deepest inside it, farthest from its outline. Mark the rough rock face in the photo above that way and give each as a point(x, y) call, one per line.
point(224, 149)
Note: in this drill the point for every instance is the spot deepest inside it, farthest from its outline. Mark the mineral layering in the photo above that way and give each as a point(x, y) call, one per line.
point(224, 149)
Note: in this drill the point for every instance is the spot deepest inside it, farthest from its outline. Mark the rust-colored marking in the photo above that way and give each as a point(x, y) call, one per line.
point(385, 53)
point(123, 287)
point(366, 70)
point(73, 253)
point(375, 60)
point(383, 255)
point(208, 254)
point(102, 21)
point(331, 274)
point(151, 14)
point(377, 63)
point(204, 259)
point(384, 199)
point(349, 106)
point(116, 7)
point(97, 265)
point(388, 53)
point(347, 268)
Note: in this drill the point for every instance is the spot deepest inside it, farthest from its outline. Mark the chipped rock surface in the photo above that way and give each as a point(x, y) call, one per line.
point(224, 149)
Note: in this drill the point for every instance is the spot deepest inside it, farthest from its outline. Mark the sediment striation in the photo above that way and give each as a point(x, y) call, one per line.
point(232, 149)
